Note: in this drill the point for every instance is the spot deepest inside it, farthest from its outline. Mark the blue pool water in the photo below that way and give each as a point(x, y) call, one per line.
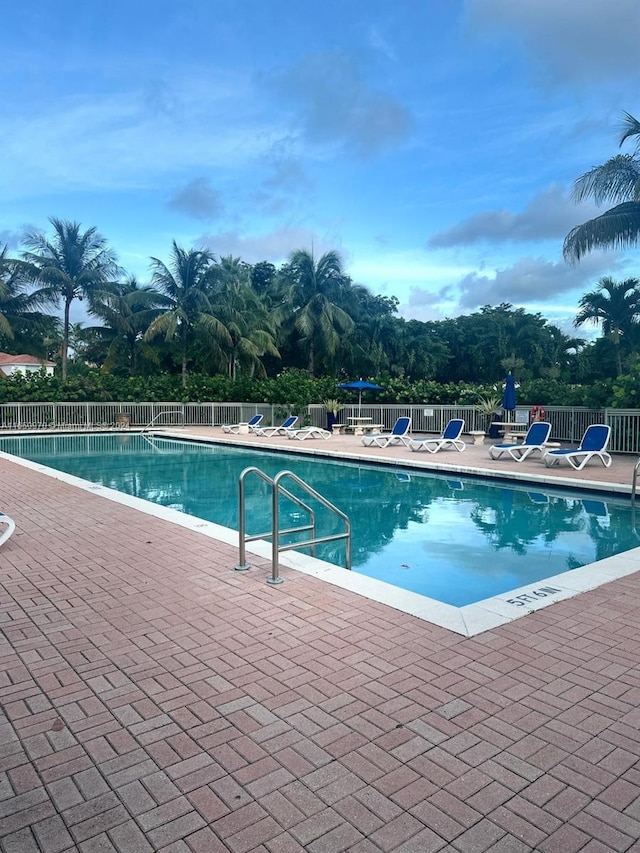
point(455, 540)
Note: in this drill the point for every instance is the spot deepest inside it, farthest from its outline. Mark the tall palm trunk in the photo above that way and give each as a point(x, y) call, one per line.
point(65, 339)
point(616, 342)
point(132, 356)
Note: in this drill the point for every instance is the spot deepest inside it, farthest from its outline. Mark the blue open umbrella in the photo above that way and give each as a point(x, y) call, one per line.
point(360, 385)
point(509, 396)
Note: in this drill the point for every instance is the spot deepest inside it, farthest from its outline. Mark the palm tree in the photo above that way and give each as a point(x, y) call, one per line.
point(21, 323)
point(189, 315)
point(9, 275)
point(251, 327)
point(128, 310)
point(613, 305)
point(311, 289)
point(70, 266)
point(617, 181)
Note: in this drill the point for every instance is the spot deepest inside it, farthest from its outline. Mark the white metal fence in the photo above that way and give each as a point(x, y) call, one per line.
point(567, 424)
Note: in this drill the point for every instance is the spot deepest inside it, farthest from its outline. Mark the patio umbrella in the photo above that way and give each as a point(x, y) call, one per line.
point(360, 385)
point(509, 396)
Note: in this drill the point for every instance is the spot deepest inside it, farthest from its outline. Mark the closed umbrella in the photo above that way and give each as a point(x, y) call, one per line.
point(360, 385)
point(509, 396)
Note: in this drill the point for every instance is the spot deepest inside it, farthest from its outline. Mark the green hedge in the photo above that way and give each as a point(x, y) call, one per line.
point(298, 389)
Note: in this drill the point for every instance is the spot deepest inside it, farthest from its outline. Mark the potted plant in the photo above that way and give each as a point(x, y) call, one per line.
point(488, 406)
point(332, 408)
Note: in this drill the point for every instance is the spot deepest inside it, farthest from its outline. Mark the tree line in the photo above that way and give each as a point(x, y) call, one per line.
point(218, 315)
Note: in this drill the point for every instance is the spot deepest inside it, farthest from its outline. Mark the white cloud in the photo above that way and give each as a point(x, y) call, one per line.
point(573, 40)
point(117, 141)
point(12, 238)
point(334, 104)
point(379, 43)
point(274, 246)
point(549, 215)
point(533, 279)
point(198, 198)
point(286, 184)
point(535, 284)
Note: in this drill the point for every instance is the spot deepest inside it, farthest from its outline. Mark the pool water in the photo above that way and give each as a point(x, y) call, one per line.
point(458, 541)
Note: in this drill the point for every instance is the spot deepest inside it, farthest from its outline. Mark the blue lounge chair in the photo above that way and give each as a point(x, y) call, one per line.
point(594, 444)
point(11, 526)
point(309, 432)
point(285, 427)
point(535, 439)
point(235, 428)
point(398, 435)
point(450, 438)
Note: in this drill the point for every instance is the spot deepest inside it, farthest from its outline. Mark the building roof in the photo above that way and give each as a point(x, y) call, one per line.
point(5, 358)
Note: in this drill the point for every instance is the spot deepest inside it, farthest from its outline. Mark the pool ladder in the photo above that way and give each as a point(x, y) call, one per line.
point(179, 412)
point(634, 482)
point(277, 489)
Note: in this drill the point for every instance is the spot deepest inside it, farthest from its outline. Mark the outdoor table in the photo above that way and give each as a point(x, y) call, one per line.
point(357, 424)
point(512, 429)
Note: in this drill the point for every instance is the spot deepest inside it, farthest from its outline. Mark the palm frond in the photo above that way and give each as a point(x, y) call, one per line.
point(615, 180)
point(617, 228)
point(166, 324)
point(213, 328)
point(630, 128)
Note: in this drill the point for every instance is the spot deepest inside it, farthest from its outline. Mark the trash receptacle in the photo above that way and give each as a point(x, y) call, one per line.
point(494, 430)
point(123, 420)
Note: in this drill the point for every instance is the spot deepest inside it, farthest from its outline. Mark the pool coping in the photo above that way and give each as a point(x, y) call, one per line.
point(468, 621)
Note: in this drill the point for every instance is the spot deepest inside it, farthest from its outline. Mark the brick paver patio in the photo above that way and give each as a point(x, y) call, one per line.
point(154, 700)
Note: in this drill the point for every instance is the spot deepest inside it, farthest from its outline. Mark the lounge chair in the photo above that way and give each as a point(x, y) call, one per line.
point(285, 427)
point(594, 444)
point(309, 432)
point(11, 526)
point(450, 438)
point(535, 439)
point(398, 435)
point(235, 428)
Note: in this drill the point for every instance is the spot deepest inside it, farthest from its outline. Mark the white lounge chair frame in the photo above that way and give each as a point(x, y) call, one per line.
point(309, 432)
point(284, 429)
point(519, 452)
point(11, 526)
point(235, 428)
point(448, 439)
point(579, 456)
point(396, 436)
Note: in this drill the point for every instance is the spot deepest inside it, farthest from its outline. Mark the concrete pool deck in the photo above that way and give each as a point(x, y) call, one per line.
point(154, 700)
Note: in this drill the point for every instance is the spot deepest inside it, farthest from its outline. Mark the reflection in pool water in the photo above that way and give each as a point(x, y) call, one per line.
point(458, 541)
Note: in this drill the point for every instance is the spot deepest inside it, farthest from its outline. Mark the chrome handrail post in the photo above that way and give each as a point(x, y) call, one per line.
point(242, 565)
point(276, 548)
point(634, 482)
point(275, 535)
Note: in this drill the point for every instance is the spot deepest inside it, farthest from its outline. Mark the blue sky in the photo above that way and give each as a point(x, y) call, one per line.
point(432, 142)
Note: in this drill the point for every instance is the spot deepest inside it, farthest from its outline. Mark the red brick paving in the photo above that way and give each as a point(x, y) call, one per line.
point(155, 700)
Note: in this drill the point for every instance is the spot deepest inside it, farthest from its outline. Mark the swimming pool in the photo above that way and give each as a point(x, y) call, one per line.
point(457, 541)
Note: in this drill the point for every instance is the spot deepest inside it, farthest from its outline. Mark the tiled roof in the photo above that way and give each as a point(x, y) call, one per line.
point(5, 358)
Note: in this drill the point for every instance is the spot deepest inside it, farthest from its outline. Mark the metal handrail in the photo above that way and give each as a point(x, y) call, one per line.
point(634, 482)
point(151, 442)
point(278, 489)
point(164, 412)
